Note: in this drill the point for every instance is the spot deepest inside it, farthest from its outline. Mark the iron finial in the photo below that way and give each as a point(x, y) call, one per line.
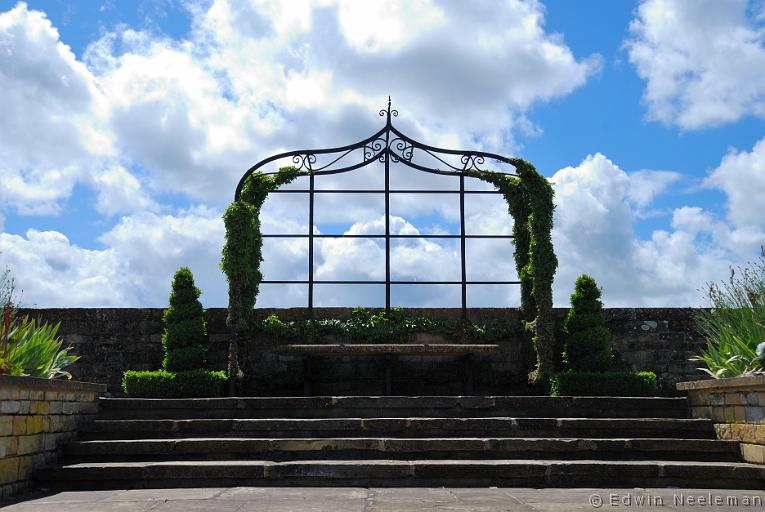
point(390, 112)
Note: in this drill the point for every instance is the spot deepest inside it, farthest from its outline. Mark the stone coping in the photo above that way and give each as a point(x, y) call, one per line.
point(732, 382)
point(51, 384)
point(371, 349)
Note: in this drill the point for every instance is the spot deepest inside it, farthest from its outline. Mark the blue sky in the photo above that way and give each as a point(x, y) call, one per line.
point(120, 156)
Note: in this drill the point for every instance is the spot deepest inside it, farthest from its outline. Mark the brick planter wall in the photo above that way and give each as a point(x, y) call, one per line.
point(111, 341)
point(36, 417)
point(737, 406)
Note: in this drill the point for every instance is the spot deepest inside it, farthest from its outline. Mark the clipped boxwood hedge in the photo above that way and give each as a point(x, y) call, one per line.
point(197, 383)
point(603, 384)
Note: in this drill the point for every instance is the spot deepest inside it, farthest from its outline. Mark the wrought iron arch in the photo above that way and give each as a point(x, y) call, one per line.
point(385, 146)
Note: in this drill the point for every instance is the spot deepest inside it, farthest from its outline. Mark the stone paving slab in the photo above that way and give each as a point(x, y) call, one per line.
point(328, 499)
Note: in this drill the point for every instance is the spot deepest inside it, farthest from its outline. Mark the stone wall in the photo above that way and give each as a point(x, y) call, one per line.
point(737, 406)
point(113, 340)
point(36, 417)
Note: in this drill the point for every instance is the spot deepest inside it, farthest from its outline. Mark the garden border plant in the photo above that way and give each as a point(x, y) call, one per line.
point(29, 346)
point(394, 326)
point(734, 327)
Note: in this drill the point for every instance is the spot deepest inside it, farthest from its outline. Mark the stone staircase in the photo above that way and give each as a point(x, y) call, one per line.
point(400, 441)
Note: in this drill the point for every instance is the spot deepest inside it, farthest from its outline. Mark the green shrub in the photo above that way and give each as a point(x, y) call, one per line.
point(163, 384)
point(603, 384)
point(587, 339)
point(184, 342)
point(181, 359)
point(392, 326)
point(185, 332)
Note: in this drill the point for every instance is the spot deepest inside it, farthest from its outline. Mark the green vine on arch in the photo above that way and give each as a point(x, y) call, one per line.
point(243, 253)
point(530, 202)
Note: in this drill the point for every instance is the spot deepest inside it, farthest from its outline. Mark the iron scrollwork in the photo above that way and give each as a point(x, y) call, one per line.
point(404, 150)
point(386, 144)
point(375, 149)
point(304, 161)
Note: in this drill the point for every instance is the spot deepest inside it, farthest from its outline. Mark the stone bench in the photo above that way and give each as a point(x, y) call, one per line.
point(389, 351)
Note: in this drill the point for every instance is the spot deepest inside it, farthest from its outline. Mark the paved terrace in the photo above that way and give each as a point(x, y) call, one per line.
point(295, 499)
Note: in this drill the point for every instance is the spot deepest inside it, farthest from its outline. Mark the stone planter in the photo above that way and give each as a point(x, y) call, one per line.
point(737, 408)
point(36, 417)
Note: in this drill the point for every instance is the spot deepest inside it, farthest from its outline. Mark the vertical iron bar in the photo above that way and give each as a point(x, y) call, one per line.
point(462, 247)
point(387, 219)
point(310, 246)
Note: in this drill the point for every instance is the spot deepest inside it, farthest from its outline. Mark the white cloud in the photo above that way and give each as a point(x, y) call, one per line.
point(594, 233)
point(254, 78)
point(52, 272)
point(257, 78)
point(692, 220)
point(741, 175)
point(396, 23)
point(119, 191)
point(645, 185)
point(702, 61)
point(49, 125)
point(135, 269)
point(152, 247)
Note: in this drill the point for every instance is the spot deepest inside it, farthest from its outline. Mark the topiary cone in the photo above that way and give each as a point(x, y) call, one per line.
point(587, 338)
point(185, 336)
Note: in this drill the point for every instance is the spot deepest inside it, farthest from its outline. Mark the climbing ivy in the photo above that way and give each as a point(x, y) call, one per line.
point(242, 255)
point(530, 201)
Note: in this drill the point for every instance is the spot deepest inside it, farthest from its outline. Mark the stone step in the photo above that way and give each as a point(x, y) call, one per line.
point(394, 406)
point(403, 427)
point(402, 448)
point(405, 473)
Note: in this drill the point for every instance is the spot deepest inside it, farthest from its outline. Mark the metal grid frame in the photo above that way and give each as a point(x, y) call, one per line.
point(385, 146)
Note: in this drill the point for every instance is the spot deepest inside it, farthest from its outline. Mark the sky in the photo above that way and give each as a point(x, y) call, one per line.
point(126, 126)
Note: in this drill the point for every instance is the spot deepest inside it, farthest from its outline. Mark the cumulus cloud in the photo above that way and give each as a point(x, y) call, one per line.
point(259, 77)
point(49, 126)
point(52, 272)
point(142, 253)
point(253, 78)
point(645, 185)
point(595, 234)
point(119, 191)
point(741, 175)
point(702, 61)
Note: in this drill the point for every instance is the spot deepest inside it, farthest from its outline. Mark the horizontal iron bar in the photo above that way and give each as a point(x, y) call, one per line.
point(370, 191)
point(292, 281)
point(277, 235)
